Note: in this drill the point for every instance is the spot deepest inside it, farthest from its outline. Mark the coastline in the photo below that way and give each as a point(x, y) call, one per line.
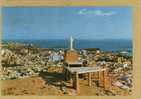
point(105, 45)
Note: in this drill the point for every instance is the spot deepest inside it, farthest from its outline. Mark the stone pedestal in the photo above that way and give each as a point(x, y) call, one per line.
point(71, 56)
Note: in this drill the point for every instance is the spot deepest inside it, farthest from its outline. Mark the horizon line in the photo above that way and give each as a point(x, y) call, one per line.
point(74, 39)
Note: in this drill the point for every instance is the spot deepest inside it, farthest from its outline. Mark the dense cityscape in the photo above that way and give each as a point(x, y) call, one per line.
point(24, 61)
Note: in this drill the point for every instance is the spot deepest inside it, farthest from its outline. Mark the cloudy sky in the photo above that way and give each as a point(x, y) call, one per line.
point(63, 22)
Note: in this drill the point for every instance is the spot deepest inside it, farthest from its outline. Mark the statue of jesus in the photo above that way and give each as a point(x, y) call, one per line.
point(71, 43)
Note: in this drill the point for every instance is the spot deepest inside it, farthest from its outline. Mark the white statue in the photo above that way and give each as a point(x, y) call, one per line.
point(71, 43)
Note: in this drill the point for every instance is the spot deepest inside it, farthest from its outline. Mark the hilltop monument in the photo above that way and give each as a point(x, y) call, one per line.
point(71, 56)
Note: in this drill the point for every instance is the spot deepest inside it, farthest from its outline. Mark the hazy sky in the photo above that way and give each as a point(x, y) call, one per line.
point(62, 22)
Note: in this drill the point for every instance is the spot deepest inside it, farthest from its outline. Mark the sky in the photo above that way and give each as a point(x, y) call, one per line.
point(63, 22)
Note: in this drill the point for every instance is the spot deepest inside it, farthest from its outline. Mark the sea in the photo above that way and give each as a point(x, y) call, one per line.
point(105, 45)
